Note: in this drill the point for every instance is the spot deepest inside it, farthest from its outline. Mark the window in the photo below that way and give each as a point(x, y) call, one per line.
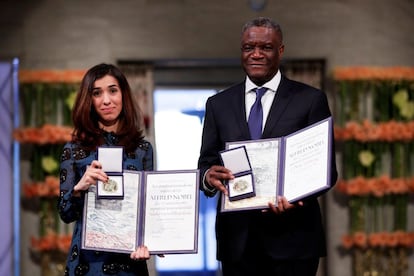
point(178, 122)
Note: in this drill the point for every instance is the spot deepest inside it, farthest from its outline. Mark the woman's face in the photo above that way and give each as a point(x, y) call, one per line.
point(107, 101)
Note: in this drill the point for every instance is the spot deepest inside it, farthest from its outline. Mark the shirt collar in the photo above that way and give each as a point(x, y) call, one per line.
point(272, 85)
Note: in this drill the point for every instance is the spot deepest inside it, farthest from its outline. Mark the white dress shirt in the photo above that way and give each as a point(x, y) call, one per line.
point(267, 98)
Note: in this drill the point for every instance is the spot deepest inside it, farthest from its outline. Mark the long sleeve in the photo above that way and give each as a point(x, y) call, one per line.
point(210, 148)
point(70, 207)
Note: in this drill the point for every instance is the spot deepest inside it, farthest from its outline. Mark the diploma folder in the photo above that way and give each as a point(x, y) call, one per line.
point(159, 210)
point(296, 166)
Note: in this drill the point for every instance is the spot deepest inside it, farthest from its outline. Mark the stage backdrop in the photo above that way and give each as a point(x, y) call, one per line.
point(6, 167)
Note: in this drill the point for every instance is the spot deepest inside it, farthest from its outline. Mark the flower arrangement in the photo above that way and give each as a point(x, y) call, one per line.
point(46, 100)
point(51, 242)
point(46, 134)
point(50, 252)
point(47, 188)
point(375, 186)
point(51, 76)
point(367, 131)
point(379, 240)
point(365, 73)
point(374, 129)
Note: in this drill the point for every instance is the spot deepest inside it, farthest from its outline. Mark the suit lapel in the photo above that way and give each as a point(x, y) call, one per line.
point(279, 105)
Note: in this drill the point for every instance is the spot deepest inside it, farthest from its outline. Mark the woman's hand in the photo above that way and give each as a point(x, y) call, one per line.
point(142, 253)
point(92, 174)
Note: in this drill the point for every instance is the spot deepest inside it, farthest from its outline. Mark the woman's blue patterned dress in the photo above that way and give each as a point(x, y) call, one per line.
point(74, 161)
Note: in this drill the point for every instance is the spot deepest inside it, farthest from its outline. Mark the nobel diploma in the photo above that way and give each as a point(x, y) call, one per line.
point(295, 166)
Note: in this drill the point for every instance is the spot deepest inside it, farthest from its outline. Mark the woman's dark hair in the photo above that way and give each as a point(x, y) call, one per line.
point(85, 119)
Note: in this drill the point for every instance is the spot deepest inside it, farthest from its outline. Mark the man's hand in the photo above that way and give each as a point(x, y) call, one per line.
point(282, 205)
point(215, 175)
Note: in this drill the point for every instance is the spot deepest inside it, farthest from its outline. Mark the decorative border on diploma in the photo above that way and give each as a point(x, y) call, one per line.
point(120, 225)
point(170, 216)
point(112, 224)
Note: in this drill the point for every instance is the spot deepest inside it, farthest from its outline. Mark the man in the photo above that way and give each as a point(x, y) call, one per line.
point(286, 239)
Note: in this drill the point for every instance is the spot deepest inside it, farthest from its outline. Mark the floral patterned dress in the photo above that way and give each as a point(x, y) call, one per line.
point(74, 161)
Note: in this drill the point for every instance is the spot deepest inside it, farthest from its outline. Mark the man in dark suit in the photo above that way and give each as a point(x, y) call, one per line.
point(286, 239)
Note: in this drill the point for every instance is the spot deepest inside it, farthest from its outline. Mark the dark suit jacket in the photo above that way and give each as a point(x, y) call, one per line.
point(298, 233)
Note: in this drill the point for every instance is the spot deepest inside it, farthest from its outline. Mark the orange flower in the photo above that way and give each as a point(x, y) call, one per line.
point(49, 188)
point(360, 134)
point(410, 184)
point(45, 243)
point(406, 132)
point(375, 239)
point(376, 187)
point(48, 134)
point(372, 131)
point(51, 241)
point(347, 241)
point(351, 128)
point(360, 239)
point(51, 133)
point(391, 240)
point(379, 239)
point(361, 183)
point(374, 73)
point(367, 131)
point(339, 133)
point(63, 243)
point(29, 190)
point(51, 76)
point(341, 186)
point(53, 185)
point(398, 186)
point(410, 239)
point(383, 238)
point(400, 236)
point(42, 189)
point(384, 183)
point(353, 188)
point(30, 135)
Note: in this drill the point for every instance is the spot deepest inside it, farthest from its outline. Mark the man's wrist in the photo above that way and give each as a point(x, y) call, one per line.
point(207, 186)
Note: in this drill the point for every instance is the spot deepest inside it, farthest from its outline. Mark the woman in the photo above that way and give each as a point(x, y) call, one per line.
point(104, 113)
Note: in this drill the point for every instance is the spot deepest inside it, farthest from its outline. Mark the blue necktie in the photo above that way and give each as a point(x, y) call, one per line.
point(255, 120)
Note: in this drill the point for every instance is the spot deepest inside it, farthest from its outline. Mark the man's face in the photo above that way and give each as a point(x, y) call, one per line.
point(261, 51)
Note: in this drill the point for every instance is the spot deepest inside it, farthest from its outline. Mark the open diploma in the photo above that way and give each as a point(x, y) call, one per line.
point(295, 166)
point(159, 210)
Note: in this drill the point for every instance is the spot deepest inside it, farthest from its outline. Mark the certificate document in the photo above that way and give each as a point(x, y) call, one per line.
point(295, 166)
point(307, 161)
point(159, 210)
point(171, 212)
point(263, 156)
